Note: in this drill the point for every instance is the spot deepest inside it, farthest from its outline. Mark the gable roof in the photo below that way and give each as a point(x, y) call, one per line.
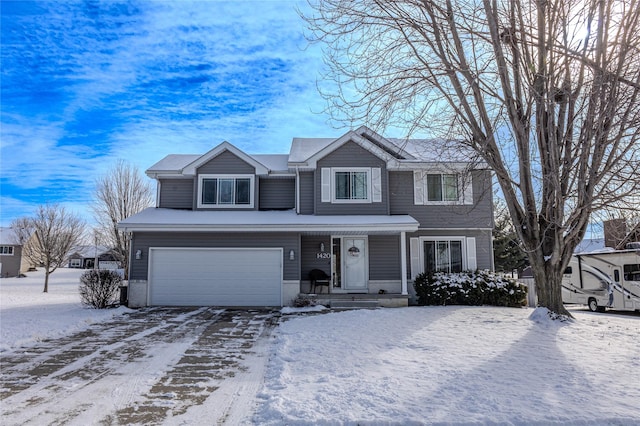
point(306, 152)
point(8, 237)
point(88, 251)
point(190, 169)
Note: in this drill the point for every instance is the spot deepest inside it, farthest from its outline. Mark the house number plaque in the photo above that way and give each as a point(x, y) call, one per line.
point(323, 255)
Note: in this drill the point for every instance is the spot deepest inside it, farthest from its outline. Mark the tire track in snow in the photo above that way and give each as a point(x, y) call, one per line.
point(39, 383)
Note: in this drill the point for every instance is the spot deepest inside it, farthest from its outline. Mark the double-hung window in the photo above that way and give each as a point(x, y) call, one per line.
point(225, 191)
point(442, 188)
point(351, 185)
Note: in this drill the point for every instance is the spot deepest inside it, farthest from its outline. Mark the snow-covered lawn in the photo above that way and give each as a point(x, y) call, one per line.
point(431, 365)
point(28, 315)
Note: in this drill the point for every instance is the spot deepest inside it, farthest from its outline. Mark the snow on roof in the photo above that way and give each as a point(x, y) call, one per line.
point(89, 251)
point(303, 148)
point(274, 162)
point(173, 163)
point(8, 237)
point(263, 221)
point(435, 150)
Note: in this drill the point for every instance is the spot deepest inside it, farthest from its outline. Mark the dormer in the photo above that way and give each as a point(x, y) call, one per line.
point(225, 178)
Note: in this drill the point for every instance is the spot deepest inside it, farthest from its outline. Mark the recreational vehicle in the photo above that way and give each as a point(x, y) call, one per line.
point(604, 279)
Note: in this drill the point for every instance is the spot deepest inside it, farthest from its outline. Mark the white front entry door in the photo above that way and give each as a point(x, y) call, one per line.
point(355, 263)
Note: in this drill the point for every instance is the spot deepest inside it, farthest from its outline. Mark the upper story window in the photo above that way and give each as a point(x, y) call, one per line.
point(6, 250)
point(351, 185)
point(225, 191)
point(442, 188)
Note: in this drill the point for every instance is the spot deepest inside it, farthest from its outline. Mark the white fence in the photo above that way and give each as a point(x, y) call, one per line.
point(532, 298)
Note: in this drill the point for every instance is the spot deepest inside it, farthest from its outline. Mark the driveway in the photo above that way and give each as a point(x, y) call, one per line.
point(152, 366)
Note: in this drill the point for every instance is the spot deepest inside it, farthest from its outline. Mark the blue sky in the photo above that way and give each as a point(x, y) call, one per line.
point(87, 83)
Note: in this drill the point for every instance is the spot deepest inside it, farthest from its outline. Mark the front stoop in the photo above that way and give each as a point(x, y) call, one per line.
point(360, 300)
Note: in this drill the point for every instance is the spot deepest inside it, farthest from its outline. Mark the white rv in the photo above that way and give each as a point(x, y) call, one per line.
point(604, 279)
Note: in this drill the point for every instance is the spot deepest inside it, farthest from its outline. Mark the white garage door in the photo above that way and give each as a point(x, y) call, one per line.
point(215, 277)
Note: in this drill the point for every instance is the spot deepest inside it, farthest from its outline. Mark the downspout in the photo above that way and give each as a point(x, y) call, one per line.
point(297, 191)
point(158, 188)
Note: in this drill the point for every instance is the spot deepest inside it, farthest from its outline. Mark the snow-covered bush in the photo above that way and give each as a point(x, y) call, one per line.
point(99, 288)
point(469, 288)
point(303, 301)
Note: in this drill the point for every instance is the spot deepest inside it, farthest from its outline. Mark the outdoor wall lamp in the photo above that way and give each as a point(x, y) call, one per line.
point(138, 254)
point(322, 247)
point(292, 255)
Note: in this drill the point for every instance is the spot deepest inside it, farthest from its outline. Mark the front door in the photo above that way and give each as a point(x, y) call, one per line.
point(355, 264)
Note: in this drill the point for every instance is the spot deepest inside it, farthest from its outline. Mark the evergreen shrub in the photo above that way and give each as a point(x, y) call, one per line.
point(469, 288)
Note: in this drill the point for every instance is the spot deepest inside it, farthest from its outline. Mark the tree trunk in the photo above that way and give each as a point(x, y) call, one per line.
point(46, 280)
point(548, 279)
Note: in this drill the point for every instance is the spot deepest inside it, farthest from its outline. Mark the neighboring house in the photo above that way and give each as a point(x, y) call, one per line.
point(85, 257)
point(233, 229)
point(12, 261)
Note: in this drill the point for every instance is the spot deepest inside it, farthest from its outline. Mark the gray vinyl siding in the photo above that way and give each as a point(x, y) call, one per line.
point(384, 257)
point(176, 193)
point(307, 193)
point(351, 155)
point(227, 163)
point(277, 194)
point(478, 215)
point(11, 263)
point(143, 240)
point(309, 247)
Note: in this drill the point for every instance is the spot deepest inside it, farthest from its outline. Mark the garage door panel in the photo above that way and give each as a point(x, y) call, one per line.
point(215, 277)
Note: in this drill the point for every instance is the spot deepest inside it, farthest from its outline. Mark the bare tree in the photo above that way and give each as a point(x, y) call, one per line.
point(546, 92)
point(57, 232)
point(120, 193)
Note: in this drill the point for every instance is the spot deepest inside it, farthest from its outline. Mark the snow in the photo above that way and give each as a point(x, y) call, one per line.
point(418, 365)
point(28, 315)
point(263, 221)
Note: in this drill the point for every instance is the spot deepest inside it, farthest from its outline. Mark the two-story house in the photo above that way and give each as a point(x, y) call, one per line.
point(233, 229)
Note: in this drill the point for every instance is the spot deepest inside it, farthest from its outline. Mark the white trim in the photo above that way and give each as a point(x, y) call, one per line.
point(417, 262)
point(251, 178)
point(297, 191)
point(403, 260)
point(472, 260)
point(420, 192)
point(150, 263)
point(335, 170)
point(414, 253)
point(191, 168)
point(376, 185)
point(357, 138)
point(325, 184)
point(342, 289)
point(158, 191)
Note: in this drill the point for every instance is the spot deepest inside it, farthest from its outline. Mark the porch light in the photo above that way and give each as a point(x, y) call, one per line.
point(138, 254)
point(292, 255)
point(322, 247)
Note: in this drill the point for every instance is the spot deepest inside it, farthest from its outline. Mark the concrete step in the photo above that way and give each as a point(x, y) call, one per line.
point(359, 303)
